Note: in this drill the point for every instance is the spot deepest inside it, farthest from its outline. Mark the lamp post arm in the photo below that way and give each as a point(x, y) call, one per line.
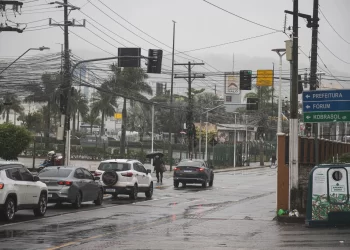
point(14, 61)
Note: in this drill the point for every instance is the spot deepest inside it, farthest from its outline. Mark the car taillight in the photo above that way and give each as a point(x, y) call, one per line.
point(176, 169)
point(201, 169)
point(65, 183)
point(2, 185)
point(97, 173)
point(127, 174)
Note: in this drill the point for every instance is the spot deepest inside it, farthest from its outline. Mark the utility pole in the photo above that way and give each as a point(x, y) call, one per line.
point(293, 129)
point(313, 68)
point(170, 153)
point(66, 85)
point(16, 5)
point(190, 126)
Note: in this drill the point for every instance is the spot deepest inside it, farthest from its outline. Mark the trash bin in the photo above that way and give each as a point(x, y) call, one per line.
point(328, 195)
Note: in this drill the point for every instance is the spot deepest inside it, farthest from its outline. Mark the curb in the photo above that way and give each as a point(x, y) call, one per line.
point(238, 169)
point(291, 220)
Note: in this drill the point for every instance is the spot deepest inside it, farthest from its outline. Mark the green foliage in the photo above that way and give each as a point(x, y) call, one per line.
point(344, 158)
point(13, 141)
point(33, 121)
point(11, 102)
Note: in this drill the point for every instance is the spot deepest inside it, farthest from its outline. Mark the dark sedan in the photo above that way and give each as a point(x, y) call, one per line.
point(193, 171)
point(71, 184)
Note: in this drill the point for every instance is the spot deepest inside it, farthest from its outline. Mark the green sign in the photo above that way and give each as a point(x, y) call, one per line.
point(335, 116)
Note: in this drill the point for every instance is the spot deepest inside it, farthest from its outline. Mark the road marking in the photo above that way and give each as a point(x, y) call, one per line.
point(64, 245)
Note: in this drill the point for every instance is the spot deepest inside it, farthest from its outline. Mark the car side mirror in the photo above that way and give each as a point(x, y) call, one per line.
point(149, 171)
point(97, 178)
point(36, 178)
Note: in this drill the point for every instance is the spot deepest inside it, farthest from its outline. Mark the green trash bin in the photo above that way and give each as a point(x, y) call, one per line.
point(328, 195)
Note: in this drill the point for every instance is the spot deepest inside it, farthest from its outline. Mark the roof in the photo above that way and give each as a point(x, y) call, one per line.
point(120, 160)
point(5, 163)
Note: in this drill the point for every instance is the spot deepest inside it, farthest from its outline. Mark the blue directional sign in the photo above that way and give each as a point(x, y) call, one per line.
point(326, 105)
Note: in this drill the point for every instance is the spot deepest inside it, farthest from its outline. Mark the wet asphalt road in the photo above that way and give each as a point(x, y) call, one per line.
point(236, 213)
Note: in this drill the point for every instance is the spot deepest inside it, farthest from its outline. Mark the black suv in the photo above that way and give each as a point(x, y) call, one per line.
point(193, 171)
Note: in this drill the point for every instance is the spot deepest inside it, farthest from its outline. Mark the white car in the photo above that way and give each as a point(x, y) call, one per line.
point(125, 177)
point(19, 189)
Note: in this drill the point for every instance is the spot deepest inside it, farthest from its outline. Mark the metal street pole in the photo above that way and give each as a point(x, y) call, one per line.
point(40, 48)
point(281, 53)
point(206, 138)
point(200, 137)
point(170, 153)
point(234, 143)
point(152, 134)
point(246, 140)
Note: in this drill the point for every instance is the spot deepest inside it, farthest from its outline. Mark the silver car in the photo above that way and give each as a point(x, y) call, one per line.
point(71, 184)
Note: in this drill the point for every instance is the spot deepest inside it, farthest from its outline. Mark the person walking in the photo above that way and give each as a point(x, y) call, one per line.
point(158, 166)
point(273, 160)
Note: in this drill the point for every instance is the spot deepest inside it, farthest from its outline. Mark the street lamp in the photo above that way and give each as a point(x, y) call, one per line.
point(40, 48)
point(281, 53)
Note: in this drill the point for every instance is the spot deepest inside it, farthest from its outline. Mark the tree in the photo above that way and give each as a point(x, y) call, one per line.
point(92, 118)
point(32, 121)
point(130, 82)
point(11, 102)
point(46, 92)
point(13, 141)
point(105, 103)
point(79, 107)
point(140, 119)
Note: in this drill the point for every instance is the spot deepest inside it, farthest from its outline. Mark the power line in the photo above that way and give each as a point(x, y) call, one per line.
point(333, 53)
point(245, 19)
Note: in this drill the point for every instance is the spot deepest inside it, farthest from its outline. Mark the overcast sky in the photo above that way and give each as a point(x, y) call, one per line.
point(198, 25)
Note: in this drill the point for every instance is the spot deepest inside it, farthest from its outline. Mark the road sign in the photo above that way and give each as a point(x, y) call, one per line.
point(245, 79)
point(118, 116)
point(264, 78)
point(315, 117)
point(326, 106)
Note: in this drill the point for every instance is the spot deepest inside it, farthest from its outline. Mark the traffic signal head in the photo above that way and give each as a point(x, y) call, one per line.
point(245, 79)
point(252, 103)
point(154, 61)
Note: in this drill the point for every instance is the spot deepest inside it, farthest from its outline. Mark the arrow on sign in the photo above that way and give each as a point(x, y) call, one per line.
point(308, 117)
point(307, 96)
point(308, 106)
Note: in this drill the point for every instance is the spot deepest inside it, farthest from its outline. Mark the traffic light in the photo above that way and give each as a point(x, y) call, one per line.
point(154, 61)
point(252, 103)
point(245, 79)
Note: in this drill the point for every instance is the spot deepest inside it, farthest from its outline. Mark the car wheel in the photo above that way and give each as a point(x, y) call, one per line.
point(42, 206)
point(133, 194)
point(205, 183)
point(211, 181)
point(99, 200)
point(77, 202)
point(176, 184)
point(8, 213)
point(149, 193)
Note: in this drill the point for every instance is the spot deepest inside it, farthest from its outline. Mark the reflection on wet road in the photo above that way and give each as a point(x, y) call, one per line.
point(236, 213)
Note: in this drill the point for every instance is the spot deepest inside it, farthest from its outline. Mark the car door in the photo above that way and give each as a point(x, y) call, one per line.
point(92, 186)
point(19, 185)
point(144, 175)
point(138, 174)
point(141, 175)
point(33, 191)
point(81, 183)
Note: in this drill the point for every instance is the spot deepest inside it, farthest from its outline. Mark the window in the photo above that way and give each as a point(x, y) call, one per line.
point(79, 174)
point(14, 174)
point(142, 168)
point(228, 98)
point(136, 167)
point(26, 175)
point(114, 166)
point(87, 174)
point(55, 172)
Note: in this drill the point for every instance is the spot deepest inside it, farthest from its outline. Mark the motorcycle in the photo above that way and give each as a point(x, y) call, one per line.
point(58, 161)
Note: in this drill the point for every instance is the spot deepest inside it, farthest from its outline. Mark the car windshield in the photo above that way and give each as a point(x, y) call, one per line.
point(114, 166)
point(190, 164)
point(55, 172)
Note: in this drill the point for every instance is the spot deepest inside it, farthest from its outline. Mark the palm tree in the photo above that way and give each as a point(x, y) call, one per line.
point(11, 102)
point(79, 107)
point(140, 119)
point(46, 92)
point(131, 83)
point(105, 103)
point(92, 118)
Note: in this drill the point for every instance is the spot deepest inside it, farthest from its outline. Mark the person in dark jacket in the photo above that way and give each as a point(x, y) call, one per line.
point(158, 163)
point(273, 160)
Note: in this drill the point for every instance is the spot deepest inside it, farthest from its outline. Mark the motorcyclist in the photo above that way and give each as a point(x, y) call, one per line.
point(50, 161)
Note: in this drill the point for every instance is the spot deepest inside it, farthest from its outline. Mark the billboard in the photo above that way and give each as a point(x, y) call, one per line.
point(232, 84)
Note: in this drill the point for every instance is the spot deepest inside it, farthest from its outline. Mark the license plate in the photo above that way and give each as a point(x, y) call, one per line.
point(110, 190)
point(49, 196)
point(187, 171)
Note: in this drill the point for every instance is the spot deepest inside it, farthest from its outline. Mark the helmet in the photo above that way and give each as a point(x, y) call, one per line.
point(51, 153)
point(157, 156)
